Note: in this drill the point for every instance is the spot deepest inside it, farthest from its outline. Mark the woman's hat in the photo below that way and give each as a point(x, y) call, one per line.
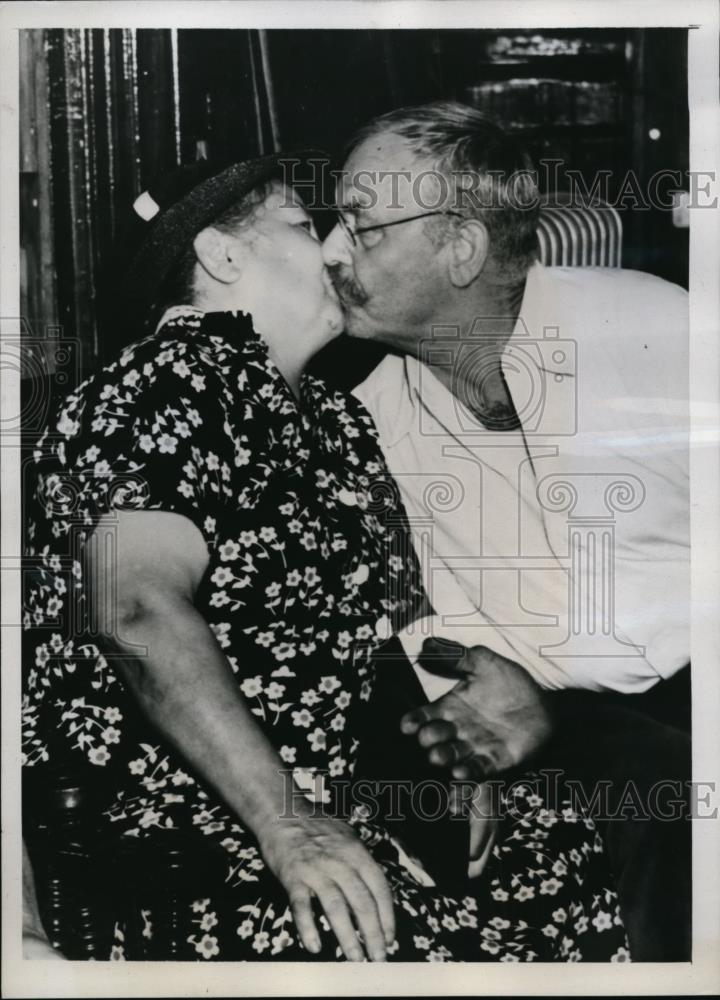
point(177, 205)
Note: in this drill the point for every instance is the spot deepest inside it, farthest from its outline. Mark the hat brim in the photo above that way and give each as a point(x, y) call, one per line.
point(171, 234)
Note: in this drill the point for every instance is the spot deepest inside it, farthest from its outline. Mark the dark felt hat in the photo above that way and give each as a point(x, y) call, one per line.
point(178, 205)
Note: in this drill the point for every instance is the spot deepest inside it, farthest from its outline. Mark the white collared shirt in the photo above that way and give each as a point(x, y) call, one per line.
point(565, 545)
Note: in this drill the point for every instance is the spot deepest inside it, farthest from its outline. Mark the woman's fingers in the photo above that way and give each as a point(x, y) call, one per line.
point(364, 909)
point(335, 907)
point(377, 883)
point(325, 859)
point(301, 906)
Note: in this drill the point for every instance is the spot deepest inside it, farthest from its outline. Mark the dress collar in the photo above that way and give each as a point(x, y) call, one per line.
point(180, 314)
point(235, 327)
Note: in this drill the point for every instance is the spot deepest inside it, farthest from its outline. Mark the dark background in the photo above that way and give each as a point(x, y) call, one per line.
point(102, 111)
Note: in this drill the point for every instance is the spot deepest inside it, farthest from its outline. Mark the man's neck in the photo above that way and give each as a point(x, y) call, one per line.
point(470, 365)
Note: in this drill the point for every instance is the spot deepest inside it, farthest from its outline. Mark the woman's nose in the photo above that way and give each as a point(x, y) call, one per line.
point(336, 248)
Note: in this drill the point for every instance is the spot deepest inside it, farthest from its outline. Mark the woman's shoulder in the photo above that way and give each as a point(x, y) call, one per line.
point(181, 342)
point(174, 365)
point(189, 352)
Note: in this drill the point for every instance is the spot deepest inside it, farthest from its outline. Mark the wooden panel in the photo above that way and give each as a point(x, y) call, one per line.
point(70, 138)
point(223, 98)
point(112, 106)
point(155, 106)
point(37, 288)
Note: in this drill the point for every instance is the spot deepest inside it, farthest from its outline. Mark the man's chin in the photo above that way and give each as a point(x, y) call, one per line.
point(358, 332)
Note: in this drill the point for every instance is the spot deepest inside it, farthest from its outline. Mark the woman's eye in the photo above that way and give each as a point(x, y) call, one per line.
point(308, 226)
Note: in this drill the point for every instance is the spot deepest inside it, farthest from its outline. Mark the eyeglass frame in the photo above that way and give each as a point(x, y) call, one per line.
point(352, 233)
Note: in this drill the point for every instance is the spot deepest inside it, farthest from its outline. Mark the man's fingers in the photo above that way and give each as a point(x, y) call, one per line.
point(412, 721)
point(335, 908)
point(436, 731)
point(304, 920)
point(474, 769)
point(441, 656)
point(464, 796)
point(484, 762)
point(448, 753)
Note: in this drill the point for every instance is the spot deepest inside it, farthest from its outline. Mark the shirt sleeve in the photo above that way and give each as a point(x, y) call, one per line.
point(537, 644)
point(549, 673)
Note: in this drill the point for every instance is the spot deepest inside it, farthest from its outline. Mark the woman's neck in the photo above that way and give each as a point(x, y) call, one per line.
point(289, 347)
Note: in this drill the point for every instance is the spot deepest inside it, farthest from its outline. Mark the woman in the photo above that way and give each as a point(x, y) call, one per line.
point(236, 551)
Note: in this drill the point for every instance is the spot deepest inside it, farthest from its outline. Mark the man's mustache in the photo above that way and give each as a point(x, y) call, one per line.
point(350, 292)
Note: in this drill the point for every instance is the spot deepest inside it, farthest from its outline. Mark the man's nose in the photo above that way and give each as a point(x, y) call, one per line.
point(336, 248)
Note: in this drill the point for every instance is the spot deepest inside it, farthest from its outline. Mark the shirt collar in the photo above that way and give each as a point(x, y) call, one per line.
point(538, 305)
point(425, 398)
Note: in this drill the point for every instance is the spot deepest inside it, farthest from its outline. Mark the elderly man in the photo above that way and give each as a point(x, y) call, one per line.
point(536, 425)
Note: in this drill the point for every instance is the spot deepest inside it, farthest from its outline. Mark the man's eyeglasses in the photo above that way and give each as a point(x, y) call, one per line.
point(353, 233)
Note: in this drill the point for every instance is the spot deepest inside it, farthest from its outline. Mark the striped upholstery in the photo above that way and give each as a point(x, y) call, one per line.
point(576, 236)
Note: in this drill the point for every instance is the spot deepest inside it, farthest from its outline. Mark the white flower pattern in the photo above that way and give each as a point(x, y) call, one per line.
point(310, 571)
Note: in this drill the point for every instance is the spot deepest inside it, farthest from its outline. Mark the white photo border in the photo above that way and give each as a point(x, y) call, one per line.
point(80, 979)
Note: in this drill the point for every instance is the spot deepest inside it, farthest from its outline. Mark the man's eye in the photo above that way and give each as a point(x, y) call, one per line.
point(308, 226)
point(371, 239)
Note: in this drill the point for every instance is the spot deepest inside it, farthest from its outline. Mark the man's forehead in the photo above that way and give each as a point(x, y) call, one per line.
point(386, 150)
point(382, 170)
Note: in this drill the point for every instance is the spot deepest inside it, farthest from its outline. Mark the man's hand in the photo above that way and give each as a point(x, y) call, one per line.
point(494, 719)
point(324, 858)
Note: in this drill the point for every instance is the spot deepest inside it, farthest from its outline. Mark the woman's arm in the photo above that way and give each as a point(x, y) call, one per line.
point(144, 593)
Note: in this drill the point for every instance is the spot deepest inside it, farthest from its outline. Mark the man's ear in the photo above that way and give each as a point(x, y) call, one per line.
point(469, 250)
point(219, 254)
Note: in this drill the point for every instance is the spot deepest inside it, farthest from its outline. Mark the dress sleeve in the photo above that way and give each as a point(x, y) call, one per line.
point(160, 436)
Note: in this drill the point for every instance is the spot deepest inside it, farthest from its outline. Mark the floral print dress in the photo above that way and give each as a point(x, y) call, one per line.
point(311, 569)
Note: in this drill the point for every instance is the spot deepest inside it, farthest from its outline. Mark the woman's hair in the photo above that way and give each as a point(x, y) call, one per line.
point(488, 175)
point(178, 288)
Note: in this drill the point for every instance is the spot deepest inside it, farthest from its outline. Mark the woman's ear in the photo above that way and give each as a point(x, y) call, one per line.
point(469, 250)
point(219, 254)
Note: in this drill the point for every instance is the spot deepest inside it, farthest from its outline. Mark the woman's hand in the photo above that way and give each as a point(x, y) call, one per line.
point(323, 857)
point(186, 687)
